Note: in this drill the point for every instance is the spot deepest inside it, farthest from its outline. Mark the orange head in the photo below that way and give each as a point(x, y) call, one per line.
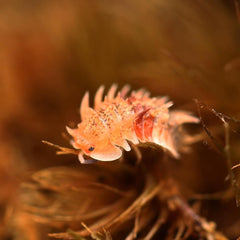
point(99, 148)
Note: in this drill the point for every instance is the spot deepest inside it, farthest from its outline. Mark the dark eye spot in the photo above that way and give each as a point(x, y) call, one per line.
point(91, 149)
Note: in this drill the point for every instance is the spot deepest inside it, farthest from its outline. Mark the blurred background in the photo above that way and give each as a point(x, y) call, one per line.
point(52, 52)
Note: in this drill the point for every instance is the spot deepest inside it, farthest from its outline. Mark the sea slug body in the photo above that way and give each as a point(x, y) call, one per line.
point(120, 120)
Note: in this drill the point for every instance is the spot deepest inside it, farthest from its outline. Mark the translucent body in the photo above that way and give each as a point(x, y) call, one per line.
point(119, 120)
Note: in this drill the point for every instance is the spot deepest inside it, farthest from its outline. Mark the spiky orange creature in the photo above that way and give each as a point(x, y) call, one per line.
point(119, 120)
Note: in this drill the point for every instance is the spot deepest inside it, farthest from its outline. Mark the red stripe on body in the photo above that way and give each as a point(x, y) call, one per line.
point(148, 122)
point(139, 125)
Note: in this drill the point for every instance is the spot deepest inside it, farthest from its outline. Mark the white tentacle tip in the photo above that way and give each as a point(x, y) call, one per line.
point(70, 131)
